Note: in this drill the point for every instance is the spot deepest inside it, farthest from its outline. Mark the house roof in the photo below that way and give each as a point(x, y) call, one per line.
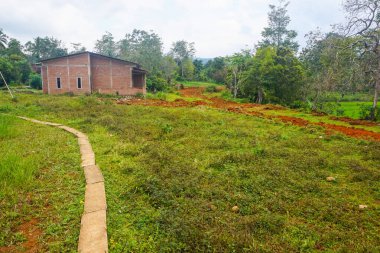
point(100, 55)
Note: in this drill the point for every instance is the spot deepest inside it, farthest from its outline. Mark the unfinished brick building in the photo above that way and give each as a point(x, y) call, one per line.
point(88, 72)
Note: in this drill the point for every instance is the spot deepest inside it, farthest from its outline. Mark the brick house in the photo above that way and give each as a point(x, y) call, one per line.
point(87, 72)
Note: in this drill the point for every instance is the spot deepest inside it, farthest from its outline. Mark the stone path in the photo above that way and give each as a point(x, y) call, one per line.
point(93, 231)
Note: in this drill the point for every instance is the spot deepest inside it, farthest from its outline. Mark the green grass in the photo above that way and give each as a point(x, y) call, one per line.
point(351, 109)
point(351, 97)
point(39, 171)
point(198, 84)
point(173, 174)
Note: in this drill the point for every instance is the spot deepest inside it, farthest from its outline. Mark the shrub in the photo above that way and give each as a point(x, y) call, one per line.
point(155, 83)
point(35, 81)
point(211, 88)
point(366, 111)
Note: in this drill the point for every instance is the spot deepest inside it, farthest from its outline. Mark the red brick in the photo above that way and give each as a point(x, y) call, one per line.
point(98, 74)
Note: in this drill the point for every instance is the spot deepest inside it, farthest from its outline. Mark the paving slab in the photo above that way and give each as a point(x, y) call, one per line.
point(87, 161)
point(93, 174)
point(95, 198)
point(93, 233)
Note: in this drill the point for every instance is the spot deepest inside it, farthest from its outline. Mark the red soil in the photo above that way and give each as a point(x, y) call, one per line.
point(31, 232)
point(252, 109)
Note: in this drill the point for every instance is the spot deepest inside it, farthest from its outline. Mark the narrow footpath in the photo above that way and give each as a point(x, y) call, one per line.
point(93, 231)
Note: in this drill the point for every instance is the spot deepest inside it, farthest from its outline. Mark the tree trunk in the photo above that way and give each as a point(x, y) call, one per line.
point(260, 96)
point(182, 69)
point(235, 84)
point(375, 97)
point(377, 90)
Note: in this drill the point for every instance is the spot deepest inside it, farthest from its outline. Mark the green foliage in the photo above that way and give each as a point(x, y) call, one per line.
point(155, 83)
point(43, 48)
point(3, 39)
point(211, 88)
point(277, 34)
point(182, 52)
point(35, 81)
point(273, 76)
point(6, 69)
point(169, 69)
point(142, 47)
point(215, 70)
point(367, 112)
point(106, 45)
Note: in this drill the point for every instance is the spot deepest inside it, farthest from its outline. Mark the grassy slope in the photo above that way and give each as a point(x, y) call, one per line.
point(198, 84)
point(39, 171)
point(173, 175)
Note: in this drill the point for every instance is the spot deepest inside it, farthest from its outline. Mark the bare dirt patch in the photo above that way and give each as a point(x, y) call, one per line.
point(32, 233)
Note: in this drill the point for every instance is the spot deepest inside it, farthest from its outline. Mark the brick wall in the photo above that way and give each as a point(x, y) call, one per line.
point(68, 69)
point(109, 76)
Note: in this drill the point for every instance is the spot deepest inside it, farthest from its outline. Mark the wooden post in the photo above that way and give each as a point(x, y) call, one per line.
point(10, 92)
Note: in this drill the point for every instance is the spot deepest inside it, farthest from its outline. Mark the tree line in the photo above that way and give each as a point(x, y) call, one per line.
point(344, 60)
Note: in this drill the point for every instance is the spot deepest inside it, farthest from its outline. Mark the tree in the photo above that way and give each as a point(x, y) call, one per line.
point(77, 48)
point(188, 69)
point(236, 64)
point(273, 75)
point(198, 67)
point(43, 48)
point(14, 47)
point(181, 51)
point(363, 25)
point(169, 68)
point(142, 47)
point(3, 39)
point(215, 70)
point(330, 65)
point(106, 45)
point(277, 34)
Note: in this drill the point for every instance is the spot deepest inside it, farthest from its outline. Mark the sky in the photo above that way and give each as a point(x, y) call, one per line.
point(217, 27)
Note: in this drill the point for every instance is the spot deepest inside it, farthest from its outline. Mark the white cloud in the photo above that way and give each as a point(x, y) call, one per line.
point(218, 27)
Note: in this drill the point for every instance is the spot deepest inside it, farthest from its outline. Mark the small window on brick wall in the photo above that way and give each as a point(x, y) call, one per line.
point(58, 82)
point(79, 83)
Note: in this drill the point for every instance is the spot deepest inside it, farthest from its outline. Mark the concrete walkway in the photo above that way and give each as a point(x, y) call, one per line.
point(93, 230)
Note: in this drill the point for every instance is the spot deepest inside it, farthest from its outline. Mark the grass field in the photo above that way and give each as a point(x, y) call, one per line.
point(198, 84)
point(41, 188)
point(351, 109)
point(173, 176)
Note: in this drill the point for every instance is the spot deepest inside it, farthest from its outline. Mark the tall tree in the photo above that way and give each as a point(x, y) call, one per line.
point(277, 33)
point(43, 48)
point(236, 64)
point(274, 75)
point(363, 25)
point(14, 47)
point(142, 47)
point(215, 70)
point(106, 45)
point(198, 67)
point(169, 68)
point(3, 39)
point(182, 50)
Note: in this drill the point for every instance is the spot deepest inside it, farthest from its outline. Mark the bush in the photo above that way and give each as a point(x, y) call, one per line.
point(35, 81)
point(366, 112)
point(155, 83)
point(298, 104)
point(211, 88)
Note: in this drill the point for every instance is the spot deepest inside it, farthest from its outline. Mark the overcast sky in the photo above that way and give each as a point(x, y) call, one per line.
point(218, 27)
